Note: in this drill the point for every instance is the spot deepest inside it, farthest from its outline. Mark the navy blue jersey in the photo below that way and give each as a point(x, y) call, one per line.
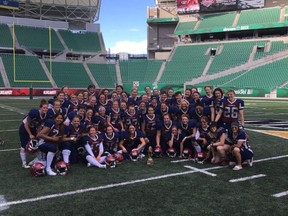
point(53, 129)
point(100, 122)
point(215, 137)
point(177, 139)
point(115, 117)
point(165, 129)
point(241, 136)
point(110, 143)
point(187, 129)
point(129, 119)
point(71, 115)
point(34, 118)
point(131, 141)
point(150, 124)
point(96, 143)
point(180, 112)
point(51, 112)
point(134, 101)
point(206, 101)
point(71, 131)
point(169, 110)
point(73, 106)
point(104, 104)
point(215, 103)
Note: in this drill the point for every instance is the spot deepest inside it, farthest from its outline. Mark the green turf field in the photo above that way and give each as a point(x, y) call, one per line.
point(170, 187)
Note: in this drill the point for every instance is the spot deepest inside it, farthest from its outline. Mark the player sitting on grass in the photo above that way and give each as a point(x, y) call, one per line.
point(240, 149)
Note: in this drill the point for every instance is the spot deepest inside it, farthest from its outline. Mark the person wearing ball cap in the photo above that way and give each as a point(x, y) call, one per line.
point(240, 147)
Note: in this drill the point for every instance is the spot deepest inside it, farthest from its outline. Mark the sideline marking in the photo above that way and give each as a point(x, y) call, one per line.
point(285, 193)
point(255, 161)
point(247, 178)
point(201, 171)
point(3, 200)
point(11, 120)
point(93, 189)
point(281, 134)
point(120, 184)
point(6, 150)
point(9, 130)
point(12, 109)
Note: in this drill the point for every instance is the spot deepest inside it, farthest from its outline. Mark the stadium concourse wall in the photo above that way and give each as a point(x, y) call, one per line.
point(280, 93)
point(248, 92)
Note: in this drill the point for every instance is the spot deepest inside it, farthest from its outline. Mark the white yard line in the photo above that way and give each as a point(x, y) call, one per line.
point(247, 178)
point(122, 184)
point(12, 109)
point(8, 150)
point(9, 130)
point(285, 193)
point(201, 171)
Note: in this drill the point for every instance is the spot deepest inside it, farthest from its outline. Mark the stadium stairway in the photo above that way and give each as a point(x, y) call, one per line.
point(61, 40)
point(53, 83)
point(118, 73)
point(90, 75)
point(282, 13)
point(4, 75)
point(161, 71)
point(247, 66)
point(236, 19)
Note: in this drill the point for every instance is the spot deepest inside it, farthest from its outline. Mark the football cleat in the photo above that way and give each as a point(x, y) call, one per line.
point(110, 161)
point(37, 169)
point(61, 168)
point(25, 166)
point(171, 152)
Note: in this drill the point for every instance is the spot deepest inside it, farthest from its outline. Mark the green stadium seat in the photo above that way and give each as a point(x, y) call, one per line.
point(5, 36)
point(29, 71)
point(276, 46)
point(144, 71)
point(267, 76)
point(188, 62)
point(69, 73)
point(259, 16)
point(37, 38)
point(104, 74)
point(183, 28)
point(217, 20)
point(81, 42)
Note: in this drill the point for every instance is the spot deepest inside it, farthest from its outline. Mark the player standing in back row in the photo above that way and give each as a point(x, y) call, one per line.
point(231, 110)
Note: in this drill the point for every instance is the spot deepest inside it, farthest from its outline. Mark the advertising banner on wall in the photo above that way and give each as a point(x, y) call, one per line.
point(187, 6)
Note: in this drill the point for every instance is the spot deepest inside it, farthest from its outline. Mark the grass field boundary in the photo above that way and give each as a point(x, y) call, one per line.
point(17, 202)
point(247, 178)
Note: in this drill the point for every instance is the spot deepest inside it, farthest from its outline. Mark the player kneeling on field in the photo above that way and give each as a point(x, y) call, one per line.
point(240, 149)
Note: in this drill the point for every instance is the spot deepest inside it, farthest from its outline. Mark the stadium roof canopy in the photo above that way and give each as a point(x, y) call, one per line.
point(86, 11)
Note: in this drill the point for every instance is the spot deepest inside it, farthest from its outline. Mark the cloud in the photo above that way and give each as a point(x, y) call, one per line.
point(134, 30)
point(131, 47)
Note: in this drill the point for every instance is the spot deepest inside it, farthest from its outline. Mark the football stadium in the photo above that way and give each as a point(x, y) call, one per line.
point(198, 126)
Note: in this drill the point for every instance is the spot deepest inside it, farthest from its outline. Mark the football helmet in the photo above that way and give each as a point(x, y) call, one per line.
point(81, 151)
point(134, 155)
point(37, 169)
point(186, 153)
point(61, 168)
point(110, 161)
point(157, 151)
point(201, 157)
point(118, 157)
point(32, 146)
point(171, 152)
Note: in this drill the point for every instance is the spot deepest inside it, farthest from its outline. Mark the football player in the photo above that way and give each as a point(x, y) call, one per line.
point(114, 117)
point(80, 112)
point(218, 96)
point(131, 118)
point(100, 120)
point(72, 140)
point(94, 149)
point(231, 110)
point(240, 147)
point(56, 109)
point(149, 127)
point(50, 137)
point(217, 144)
point(111, 140)
point(132, 140)
point(30, 127)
